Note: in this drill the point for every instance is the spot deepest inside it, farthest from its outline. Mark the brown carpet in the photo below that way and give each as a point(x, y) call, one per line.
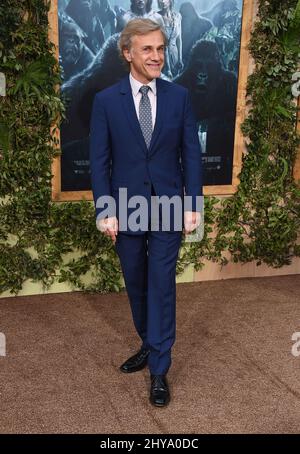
point(232, 371)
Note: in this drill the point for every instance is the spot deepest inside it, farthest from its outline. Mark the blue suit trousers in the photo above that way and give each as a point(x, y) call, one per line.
point(148, 263)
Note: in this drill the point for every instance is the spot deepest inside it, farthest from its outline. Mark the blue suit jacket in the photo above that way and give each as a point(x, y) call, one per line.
point(119, 157)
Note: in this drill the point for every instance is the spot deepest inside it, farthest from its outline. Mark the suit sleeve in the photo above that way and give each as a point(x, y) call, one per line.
point(100, 155)
point(191, 157)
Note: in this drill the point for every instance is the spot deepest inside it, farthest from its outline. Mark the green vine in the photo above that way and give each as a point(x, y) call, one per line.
point(39, 238)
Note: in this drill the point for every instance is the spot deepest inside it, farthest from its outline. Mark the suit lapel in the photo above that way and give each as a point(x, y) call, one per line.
point(160, 113)
point(130, 111)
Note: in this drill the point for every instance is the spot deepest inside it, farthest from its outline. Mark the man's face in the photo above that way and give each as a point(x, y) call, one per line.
point(146, 56)
point(164, 4)
point(140, 4)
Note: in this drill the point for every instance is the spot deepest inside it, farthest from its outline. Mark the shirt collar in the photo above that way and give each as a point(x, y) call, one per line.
point(136, 85)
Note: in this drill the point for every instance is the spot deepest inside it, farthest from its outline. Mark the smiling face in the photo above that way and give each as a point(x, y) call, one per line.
point(146, 56)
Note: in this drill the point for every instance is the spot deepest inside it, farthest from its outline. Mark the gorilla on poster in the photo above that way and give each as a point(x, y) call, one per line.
point(202, 55)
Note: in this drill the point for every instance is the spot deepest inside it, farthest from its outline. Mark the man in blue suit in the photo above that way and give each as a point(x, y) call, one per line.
point(144, 142)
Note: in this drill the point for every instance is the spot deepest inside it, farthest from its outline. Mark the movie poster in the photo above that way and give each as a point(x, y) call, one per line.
point(202, 55)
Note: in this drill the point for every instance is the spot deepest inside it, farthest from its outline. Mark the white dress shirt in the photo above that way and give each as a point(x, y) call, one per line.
point(137, 95)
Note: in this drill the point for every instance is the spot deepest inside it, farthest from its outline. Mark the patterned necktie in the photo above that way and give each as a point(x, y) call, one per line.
point(145, 115)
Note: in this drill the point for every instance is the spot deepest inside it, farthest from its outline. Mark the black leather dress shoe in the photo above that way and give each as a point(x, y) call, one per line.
point(136, 362)
point(159, 393)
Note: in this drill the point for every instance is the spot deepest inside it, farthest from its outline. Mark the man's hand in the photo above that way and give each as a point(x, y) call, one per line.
point(191, 221)
point(109, 227)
